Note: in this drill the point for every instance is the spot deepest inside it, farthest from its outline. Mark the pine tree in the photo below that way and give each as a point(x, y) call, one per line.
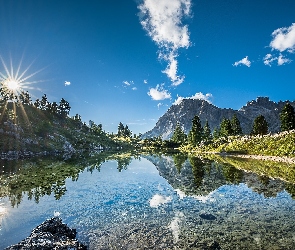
point(64, 108)
point(216, 133)
point(287, 118)
point(260, 126)
point(207, 131)
point(178, 136)
point(236, 126)
point(196, 133)
point(225, 127)
point(127, 132)
point(44, 102)
point(121, 129)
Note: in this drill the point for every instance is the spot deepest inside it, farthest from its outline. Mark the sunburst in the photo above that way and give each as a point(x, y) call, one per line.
point(13, 82)
point(14, 86)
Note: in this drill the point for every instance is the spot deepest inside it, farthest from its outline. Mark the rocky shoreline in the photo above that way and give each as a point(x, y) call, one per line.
point(51, 234)
point(261, 157)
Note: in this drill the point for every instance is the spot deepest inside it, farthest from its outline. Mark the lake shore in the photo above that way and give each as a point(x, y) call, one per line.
point(261, 157)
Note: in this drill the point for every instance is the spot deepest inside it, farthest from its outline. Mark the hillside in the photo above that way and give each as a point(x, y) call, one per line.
point(27, 131)
point(184, 112)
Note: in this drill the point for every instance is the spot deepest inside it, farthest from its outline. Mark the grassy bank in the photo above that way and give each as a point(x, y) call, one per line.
point(280, 144)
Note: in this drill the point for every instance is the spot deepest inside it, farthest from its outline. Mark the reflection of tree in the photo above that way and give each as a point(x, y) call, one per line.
point(198, 170)
point(123, 163)
point(290, 188)
point(264, 180)
point(232, 174)
point(45, 176)
point(179, 159)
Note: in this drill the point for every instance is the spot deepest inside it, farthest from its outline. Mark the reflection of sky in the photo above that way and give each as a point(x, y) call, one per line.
point(107, 200)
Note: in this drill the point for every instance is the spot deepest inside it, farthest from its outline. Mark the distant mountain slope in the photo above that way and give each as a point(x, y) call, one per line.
point(184, 112)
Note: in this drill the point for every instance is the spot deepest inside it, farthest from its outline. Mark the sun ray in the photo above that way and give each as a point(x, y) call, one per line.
point(19, 66)
point(11, 68)
point(5, 67)
point(29, 76)
point(3, 112)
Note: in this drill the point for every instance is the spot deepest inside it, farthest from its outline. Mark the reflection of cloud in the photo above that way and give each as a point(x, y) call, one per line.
point(245, 61)
point(158, 200)
point(180, 193)
point(174, 225)
point(2, 210)
point(205, 198)
point(198, 95)
point(163, 22)
point(159, 93)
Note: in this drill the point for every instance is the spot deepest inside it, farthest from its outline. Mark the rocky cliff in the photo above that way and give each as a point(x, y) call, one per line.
point(184, 112)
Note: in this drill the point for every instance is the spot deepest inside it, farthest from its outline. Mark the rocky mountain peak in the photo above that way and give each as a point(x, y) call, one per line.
point(184, 112)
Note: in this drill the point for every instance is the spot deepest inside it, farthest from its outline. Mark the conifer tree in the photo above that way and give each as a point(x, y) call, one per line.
point(287, 118)
point(64, 107)
point(216, 133)
point(178, 136)
point(207, 131)
point(127, 132)
point(196, 133)
point(121, 129)
point(225, 127)
point(260, 126)
point(236, 126)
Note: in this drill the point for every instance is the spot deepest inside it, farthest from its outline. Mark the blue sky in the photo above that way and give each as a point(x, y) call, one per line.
point(129, 61)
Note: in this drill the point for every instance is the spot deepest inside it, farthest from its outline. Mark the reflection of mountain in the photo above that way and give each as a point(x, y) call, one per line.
point(201, 179)
point(199, 176)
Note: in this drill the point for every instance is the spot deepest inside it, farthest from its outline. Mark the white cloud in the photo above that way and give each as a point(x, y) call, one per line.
point(284, 39)
point(159, 105)
point(158, 200)
point(159, 93)
point(198, 95)
point(134, 88)
point(281, 60)
point(171, 71)
point(245, 61)
point(145, 81)
point(67, 83)
point(163, 22)
point(128, 83)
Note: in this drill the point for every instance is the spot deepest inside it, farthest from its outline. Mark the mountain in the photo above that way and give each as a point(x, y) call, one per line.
point(184, 112)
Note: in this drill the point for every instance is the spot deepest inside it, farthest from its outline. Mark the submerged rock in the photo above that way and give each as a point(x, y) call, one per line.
point(51, 234)
point(206, 216)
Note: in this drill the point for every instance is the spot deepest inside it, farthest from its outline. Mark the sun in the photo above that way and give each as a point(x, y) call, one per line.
point(12, 84)
point(14, 81)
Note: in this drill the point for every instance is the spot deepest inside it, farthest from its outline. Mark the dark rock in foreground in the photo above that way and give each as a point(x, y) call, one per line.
point(51, 234)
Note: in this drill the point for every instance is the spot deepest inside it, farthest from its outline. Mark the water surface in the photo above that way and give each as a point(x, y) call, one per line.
point(151, 202)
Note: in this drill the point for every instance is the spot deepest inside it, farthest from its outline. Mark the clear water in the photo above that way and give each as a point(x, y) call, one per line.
point(155, 202)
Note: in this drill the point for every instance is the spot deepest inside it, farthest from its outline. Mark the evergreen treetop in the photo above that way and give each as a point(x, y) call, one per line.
point(287, 117)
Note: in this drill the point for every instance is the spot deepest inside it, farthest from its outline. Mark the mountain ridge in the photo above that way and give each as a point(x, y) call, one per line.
point(184, 112)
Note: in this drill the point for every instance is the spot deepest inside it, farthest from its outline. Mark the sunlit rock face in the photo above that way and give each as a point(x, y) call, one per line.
point(184, 112)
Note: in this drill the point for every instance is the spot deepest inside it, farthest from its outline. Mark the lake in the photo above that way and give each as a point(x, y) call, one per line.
point(128, 201)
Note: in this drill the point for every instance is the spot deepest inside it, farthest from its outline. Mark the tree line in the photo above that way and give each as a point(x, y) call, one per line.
point(229, 127)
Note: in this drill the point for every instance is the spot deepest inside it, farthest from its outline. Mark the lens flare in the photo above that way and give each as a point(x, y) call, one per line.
point(12, 84)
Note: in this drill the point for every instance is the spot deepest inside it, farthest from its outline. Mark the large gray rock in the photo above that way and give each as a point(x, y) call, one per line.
point(51, 234)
